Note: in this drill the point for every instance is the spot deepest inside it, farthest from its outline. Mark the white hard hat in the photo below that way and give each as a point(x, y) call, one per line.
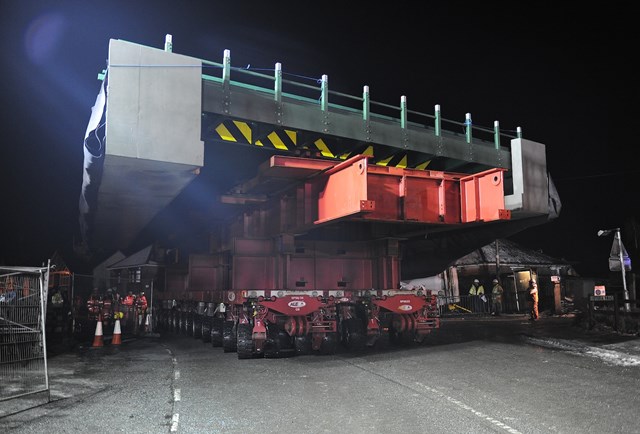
point(476, 281)
point(495, 280)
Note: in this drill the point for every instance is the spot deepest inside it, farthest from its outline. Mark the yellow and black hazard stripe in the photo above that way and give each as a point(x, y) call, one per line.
point(404, 160)
point(242, 132)
point(397, 160)
point(235, 131)
point(401, 159)
point(323, 147)
point(287, 140)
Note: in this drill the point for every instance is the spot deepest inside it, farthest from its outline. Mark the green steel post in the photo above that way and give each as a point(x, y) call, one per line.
point(168, 43)
point(278, 83)
point(324, 93)
point(437, 120)
point(226, 68)
point(403, 112)
point(496, 134)
point(467, 123)
point(519, 132)
point(366, 103)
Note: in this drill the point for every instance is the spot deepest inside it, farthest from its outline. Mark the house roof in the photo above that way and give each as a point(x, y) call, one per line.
point(510, 254)
point(138, 259)
point(59, 262)
point(111, 260)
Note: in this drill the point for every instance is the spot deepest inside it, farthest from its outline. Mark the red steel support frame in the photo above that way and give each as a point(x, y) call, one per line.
point(304, 287)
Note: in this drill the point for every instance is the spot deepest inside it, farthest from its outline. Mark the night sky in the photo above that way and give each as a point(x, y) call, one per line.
point(562, 74)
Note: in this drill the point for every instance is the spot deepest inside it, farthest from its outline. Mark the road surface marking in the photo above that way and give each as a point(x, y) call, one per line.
point(174, 422)
point(475, 412)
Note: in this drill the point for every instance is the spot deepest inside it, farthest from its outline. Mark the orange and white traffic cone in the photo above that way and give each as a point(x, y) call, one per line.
point(117, 333)
point(97, 339)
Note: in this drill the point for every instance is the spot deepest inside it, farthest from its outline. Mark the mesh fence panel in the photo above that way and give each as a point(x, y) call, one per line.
point(23, 363)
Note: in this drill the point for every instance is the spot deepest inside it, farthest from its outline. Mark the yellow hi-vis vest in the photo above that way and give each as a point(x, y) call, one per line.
point(476, 291)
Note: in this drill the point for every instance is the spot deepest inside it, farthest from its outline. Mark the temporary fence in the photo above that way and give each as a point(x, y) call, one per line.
point(23, 349)
point(481, 304)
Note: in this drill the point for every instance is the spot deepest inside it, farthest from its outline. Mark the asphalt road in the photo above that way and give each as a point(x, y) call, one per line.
point(472, 376)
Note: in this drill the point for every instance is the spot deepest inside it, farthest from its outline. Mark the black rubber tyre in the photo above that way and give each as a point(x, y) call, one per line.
point(245, 343)
point(206, 329)
point(229, 337)
point(302, 345)
point(174, 321)
point(353, 336)
point(403, 338)
point(383, 342)
point(216, 335)
point(329, 344)
point(197, 326)
point(280, 345)
point(188, 324)
point(182, 321)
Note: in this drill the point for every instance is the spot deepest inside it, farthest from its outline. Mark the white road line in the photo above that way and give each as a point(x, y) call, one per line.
point(176, 395)
point(174, 422)
point(475, 412)
point(176, 375)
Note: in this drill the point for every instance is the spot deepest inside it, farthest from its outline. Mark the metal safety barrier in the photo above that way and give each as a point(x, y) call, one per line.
point(464, 305)
point(23, 350)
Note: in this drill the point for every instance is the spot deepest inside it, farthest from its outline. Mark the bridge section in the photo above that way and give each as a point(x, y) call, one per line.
point(166, 111)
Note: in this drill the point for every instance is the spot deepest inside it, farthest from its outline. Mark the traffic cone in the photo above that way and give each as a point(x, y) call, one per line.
point(117, 333)
point(97, 339)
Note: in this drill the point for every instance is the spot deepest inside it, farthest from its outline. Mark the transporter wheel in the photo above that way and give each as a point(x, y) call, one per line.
point(182, 320)
point(353, 334)
point(329, 344)
point(217, 332)
point(229, 337)
point(302, 345)
point(383, 341)
point(197, 326)
point(403, 338)
point(188, 324)
point(245, 343)
point(175, 321)
point(206, 329)
point(279, 346)
point(396, 338)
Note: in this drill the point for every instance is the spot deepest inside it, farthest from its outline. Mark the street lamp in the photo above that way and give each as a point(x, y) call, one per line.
point(605, 232)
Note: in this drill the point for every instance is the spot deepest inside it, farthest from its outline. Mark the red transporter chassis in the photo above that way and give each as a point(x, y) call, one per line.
point(294, 272)
point(304, 323)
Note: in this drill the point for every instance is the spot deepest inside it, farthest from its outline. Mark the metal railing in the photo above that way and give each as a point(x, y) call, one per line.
point(321, 95)
point(481, 305)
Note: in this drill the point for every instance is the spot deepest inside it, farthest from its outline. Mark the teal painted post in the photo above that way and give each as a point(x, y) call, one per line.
point(277, 88)
point(437, 120)
point(324, 93)
point(226, 81)
point(496, 134)
point(467, 123)
point(226, 68)
point(366, 104)
point(168, 43)
point(403, 112)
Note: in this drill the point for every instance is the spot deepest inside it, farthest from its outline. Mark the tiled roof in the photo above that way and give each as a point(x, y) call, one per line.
point(510, 254)
point(138, 259)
